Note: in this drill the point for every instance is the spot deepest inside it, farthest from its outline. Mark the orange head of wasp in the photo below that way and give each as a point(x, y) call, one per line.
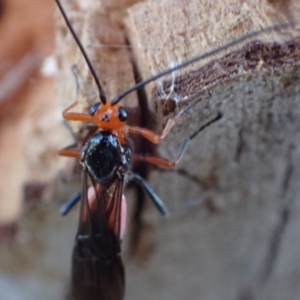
point(107, 116)
point(111, 117)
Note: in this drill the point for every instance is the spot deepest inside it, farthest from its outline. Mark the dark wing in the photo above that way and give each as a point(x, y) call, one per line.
point(97, 268)
point(114, 207)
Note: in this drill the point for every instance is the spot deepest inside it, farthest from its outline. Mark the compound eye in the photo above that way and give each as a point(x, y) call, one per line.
point(122, 114)
point(94, 108)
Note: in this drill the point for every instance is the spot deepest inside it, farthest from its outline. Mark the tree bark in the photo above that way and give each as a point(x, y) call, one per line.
point(235, 233)
point(239, 238)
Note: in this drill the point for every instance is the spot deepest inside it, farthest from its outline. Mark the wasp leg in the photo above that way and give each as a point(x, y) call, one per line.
point(163, 162)
point(70, 151)
point(64, 210)
point(150, 135)
point(156, 139)
point(74, 116)
point(159, 204)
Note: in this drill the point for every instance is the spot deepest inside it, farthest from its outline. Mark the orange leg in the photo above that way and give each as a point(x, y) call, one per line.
point(163, 162)
point(156, 160)
point(151, 136)
point(159, 161)
point(70, 152)
point(73, 116)
point(155, 138)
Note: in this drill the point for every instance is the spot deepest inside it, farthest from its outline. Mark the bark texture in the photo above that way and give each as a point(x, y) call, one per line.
point(239, 238)
point(236, 234)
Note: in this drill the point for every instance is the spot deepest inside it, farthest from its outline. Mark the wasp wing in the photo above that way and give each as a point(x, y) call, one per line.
point(97, 268)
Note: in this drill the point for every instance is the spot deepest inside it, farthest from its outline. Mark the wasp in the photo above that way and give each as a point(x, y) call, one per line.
point(106, 157)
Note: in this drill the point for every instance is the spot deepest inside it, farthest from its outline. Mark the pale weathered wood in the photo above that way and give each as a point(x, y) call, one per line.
point(241, 241)
point(166, 33)
point(240, 163)
point(241, 238)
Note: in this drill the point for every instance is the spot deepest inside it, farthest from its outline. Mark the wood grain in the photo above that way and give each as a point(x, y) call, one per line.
point(239, 238)
point(242, 171)
point(240, 241)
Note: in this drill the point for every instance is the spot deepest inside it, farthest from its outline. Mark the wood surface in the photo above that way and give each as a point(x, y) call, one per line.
point(236, 234)
point(236, 240)
point(240, 241)
point(242, 171)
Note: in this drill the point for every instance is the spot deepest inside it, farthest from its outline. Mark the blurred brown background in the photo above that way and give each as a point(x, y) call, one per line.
point(27, 38)
point(28, 118)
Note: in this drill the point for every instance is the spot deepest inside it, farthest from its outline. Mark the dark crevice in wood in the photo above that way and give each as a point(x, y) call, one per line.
point(288, 172)
point(184, 173)
point(8, 233)
point(275, 245)
point(206, 183)
point(33, 193)
point(141, 146)
point(279, 230)
point(240, 145)
point(253, 291)
point(246, 294)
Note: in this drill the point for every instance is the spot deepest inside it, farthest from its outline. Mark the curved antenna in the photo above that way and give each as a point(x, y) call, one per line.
point(199, 57)
point(101, 91)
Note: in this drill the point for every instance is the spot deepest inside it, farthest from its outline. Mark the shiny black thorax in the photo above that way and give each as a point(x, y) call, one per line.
point(105, 158)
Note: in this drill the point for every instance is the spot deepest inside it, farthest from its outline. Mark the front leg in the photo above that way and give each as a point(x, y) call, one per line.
point(70, 151)
point(74, 116)
point(150, 135)
point(155, 138)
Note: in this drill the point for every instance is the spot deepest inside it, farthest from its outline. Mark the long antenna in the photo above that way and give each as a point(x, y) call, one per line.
point(199, 57)
point(101, 91)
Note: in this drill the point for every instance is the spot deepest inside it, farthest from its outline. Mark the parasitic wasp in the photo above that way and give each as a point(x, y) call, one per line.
point(106, 159)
